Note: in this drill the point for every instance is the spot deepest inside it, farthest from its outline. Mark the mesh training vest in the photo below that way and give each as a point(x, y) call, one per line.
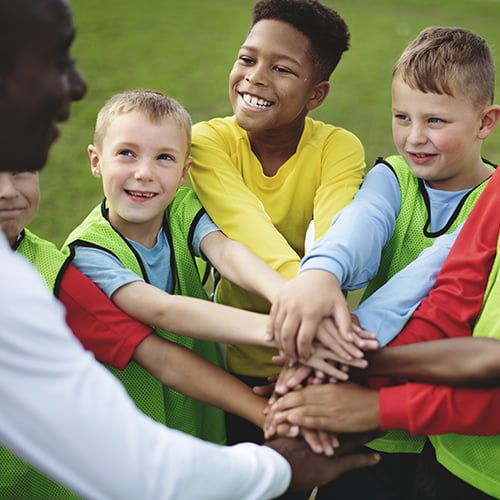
point(475, 459)
point(162, 403)
point(411, 236)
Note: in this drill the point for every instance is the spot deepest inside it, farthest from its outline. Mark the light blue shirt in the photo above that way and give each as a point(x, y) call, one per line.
point(352, 249)
point(109, 274)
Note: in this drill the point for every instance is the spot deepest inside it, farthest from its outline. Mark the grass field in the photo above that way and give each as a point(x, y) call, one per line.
point(187, 49)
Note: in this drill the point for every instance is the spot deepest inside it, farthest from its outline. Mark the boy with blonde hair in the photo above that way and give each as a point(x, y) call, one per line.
point(139, 246)
point(442, 100)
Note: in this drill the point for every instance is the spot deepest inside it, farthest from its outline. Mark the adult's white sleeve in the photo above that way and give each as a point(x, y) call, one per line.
point(69, 417)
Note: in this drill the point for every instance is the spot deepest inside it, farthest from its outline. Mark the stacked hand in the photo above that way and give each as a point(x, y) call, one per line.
point(318, 341)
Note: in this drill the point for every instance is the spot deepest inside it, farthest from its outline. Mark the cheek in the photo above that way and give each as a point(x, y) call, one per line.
point(397, 134)
point(447, 142)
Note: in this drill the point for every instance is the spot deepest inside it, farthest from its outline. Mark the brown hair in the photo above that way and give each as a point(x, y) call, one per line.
point(446, 60)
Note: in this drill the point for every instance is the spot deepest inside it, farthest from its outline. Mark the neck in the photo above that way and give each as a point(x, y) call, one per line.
point(274, 147)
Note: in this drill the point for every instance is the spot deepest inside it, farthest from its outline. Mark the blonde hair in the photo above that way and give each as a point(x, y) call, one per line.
point(153, 104)
point(444, 60)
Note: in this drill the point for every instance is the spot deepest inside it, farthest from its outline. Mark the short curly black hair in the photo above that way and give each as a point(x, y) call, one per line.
point(322, 25)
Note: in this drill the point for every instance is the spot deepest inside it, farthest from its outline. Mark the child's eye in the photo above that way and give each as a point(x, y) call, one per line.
point(245, 59)
point(401, 117)
point(435, 120)
point(166, 156)
point(281, 69)
point(126, 152)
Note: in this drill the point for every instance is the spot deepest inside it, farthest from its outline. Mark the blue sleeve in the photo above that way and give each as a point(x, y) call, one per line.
point(204, 226)
point(105, 270)
point(352, 247)
point(390, 307)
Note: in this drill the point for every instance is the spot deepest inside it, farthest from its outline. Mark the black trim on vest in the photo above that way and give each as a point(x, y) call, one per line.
point(62, 271)
point(88, 244)
point(380, 160)
point(20, 238)
point(173, 267)
point(192, 229)
point(456, 212)
point(105, 213)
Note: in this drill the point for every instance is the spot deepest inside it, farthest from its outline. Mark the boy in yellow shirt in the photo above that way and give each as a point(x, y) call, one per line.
point(266, 172)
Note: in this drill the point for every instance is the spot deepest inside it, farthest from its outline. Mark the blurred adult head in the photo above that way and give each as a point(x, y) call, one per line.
point(38, 79)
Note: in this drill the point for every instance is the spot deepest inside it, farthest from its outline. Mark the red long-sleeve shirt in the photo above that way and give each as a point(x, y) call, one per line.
point(451, 310)
point(100, 326)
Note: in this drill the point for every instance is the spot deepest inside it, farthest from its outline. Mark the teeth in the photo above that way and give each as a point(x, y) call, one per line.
point(256, 101)
point(142, 195)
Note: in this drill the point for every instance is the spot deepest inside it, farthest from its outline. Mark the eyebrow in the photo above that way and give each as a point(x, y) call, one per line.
point(276, 55)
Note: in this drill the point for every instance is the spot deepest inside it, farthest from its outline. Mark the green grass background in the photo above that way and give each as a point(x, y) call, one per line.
point(186, 49)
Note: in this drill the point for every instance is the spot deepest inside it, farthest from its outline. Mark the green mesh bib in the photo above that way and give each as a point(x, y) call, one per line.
point(162, 403)
point(475, 459)
point(411, 236)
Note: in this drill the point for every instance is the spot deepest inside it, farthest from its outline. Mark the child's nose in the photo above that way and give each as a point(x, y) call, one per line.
point(256, 75)
point(144, 171)
point(416, 134)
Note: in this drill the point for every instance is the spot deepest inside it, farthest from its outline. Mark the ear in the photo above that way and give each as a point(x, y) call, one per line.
point(489, 121)
point(95, 164)
point(185, 169)
point(318, 95)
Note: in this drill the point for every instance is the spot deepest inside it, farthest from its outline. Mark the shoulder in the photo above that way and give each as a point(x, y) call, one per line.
point(326, 132)
point(217, 127)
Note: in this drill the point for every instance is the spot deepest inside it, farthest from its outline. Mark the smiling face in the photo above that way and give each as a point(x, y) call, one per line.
point(19, 198)
point(39, 85)
point(272, 85)
point(141, 163)
point(438, 135)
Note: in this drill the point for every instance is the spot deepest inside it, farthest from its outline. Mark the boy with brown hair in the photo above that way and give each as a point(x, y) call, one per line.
point(442, 98)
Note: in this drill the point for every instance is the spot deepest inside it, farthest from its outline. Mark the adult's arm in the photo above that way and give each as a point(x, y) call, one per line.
point(68, 416)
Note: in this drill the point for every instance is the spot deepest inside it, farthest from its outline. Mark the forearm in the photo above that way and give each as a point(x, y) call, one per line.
point(465, 361)
point(245, 269)
point(186, 372)
point(192, 317)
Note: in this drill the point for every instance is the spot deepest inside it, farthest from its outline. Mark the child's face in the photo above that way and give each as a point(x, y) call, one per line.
point(271, 84)
point(19, 198)
point(141, 163)
point(437, 135)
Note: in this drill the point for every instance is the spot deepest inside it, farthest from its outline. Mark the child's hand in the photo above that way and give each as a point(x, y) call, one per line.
point(266, 390)
point(301, 306)
point(292, 376)
point(339, 408)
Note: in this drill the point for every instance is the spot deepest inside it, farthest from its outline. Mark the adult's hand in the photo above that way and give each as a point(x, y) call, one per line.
point(310, 469)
